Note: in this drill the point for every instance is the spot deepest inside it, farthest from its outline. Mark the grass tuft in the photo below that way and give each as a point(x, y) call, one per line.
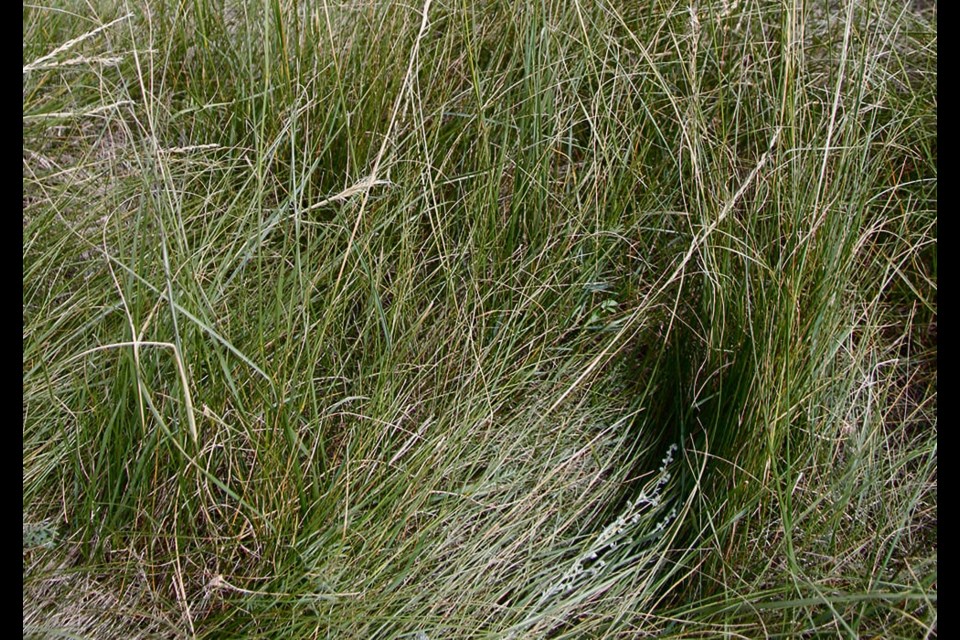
point(480, 320)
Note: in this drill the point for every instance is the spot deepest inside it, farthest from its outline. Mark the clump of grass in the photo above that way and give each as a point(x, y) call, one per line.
point(378, 321)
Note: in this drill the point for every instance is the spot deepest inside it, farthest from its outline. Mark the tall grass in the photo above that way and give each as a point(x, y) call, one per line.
point(493, 319)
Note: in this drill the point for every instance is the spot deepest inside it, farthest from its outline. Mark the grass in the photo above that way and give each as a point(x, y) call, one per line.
point(480, 320)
